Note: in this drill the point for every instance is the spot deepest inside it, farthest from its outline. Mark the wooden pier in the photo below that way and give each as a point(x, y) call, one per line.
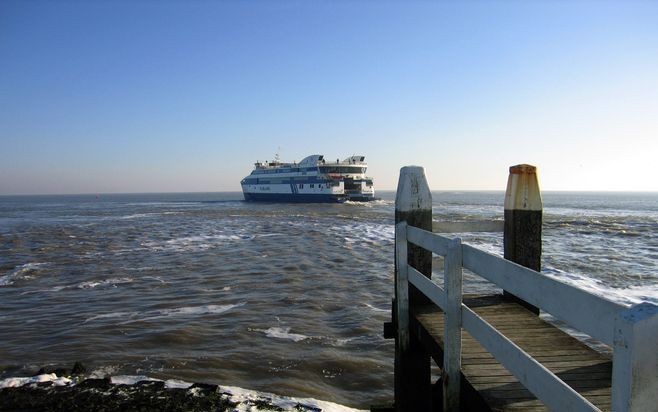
point(490, 385)
point(494, 352)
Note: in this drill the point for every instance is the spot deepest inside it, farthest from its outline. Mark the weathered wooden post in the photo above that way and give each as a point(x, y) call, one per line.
point(452, 335)
point(523, 221)
point(413, 204)
point(635, 359)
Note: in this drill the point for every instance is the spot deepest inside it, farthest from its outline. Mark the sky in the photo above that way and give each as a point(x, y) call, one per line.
point(149, 96)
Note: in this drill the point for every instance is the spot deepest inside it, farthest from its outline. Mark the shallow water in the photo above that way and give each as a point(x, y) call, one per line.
point(280, 298)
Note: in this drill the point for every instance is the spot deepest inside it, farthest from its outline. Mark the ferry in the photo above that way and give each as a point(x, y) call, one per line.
point(314, 179)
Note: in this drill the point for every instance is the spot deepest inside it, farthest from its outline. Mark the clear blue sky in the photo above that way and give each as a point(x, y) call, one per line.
point(133, 96)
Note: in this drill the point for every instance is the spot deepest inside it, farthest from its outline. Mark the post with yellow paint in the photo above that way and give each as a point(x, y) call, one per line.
point(523, 221)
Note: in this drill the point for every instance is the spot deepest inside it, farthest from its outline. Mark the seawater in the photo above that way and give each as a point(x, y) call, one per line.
point(282, 298)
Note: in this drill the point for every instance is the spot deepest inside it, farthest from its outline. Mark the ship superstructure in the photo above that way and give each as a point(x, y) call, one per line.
point(314, 179)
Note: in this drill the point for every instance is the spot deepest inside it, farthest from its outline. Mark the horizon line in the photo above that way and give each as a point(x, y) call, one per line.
point(379, 190)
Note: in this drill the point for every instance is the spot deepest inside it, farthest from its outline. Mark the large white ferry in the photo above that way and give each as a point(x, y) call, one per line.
point(314, 179)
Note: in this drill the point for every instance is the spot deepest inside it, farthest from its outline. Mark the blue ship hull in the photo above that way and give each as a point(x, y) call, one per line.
point(294, 198)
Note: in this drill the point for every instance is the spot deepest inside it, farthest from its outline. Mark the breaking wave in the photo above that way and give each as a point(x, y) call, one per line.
point(26, 271)
point(146, 316)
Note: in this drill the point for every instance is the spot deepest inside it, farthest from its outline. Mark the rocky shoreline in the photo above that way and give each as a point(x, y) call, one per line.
point(55, 390)
point(102, 395)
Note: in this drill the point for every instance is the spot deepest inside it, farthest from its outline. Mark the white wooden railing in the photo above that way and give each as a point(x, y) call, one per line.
point(631, 332)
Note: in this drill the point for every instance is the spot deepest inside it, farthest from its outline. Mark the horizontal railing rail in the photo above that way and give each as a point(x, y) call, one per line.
point(468, 227)
point(589, 313)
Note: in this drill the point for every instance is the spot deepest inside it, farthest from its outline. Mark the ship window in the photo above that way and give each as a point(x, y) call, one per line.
point(301, 185)
point(342, 169)
point(312, 185)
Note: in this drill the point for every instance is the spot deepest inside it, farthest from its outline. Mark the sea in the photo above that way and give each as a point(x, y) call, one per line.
point(287, 299)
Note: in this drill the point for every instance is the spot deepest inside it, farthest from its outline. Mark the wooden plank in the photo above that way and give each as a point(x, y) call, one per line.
point(498, 370)
point(425, 285)
point(584, 311)
point(576, 364)
point(413, 205)
point(533, 375)
point(450, 376)
point(402, 286)
point(428, 240)
point(575, 378)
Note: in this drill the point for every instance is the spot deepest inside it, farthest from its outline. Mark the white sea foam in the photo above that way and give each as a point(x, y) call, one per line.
point(176, 384)
point(370, 204)
point(187, 311)
point(156, 278)
point(130, 379)
point(47, 377)
point(105, 282)
point(627, 296)
point(25, 271)
point(284, 333)
point(198, 242)
point(172, 204)
point(111, 315)
point(140, 268)
point(376, 309)
point(53, 289)
point(200, 239)
point(104, 371)
point(365, 232)
point(269, 234)
point(247, 401)
point(133, 379)
point(341, 342)
point(112, 282)
point(139, 215)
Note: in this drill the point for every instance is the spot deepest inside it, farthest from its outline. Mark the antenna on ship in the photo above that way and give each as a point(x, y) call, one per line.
point(276, 156)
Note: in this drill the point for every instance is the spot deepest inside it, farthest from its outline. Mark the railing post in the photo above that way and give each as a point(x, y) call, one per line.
point(402, 286)
point(413, 204)
point(635, 359)
point(452, 337)
point(523, 221)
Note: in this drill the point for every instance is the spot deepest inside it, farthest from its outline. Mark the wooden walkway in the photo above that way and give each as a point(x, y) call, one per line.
point(496, 354)
point(488, 385)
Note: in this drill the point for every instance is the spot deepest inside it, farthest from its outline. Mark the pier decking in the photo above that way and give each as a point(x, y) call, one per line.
point(495, 353)
point(488, 385)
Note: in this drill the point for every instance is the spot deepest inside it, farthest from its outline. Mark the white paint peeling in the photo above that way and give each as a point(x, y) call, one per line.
point(413, 192)
point(635, 359)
